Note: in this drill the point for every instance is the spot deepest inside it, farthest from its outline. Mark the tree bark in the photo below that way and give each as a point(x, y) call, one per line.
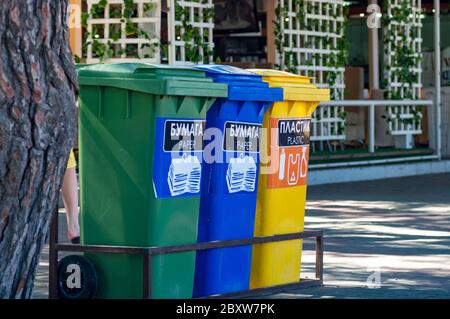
point(37, 129)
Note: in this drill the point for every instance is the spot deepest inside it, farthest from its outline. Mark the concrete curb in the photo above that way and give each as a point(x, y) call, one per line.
point(366, 173)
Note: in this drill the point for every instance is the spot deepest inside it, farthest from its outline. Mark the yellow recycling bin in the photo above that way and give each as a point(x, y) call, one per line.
point(283, 175)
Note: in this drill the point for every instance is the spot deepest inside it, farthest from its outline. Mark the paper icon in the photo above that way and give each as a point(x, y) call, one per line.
point(184, 175)
point(241, 174)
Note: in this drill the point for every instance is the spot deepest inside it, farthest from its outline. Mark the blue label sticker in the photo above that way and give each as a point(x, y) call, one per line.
point(234, 165)
point(242, 139)
point(177, 164)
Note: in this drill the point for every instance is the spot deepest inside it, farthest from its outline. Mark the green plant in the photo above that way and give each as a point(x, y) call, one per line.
point(334, 61)
point(191, 36)
point(339, 58)
point(282, 14)
point(105, 49)
point(399, 35)
point(339, 53)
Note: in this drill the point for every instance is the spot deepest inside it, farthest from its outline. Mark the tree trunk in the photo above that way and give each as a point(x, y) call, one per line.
point(37, 130)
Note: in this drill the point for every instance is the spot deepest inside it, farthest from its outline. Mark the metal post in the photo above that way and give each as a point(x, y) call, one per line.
point(374, 73)
point(437, 75)
point(374, 76)
point(171, 30)
point(371, 128)
point(53, 256)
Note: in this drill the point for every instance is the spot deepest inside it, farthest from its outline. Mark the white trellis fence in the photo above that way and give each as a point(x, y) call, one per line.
point(110, 28)
point(190, 25)
point(310, 32)
point(403, 71)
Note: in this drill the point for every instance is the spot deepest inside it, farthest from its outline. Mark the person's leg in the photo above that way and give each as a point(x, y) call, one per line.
point(69, 192)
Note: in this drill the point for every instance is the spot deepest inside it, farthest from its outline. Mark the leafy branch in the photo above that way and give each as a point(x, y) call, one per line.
point(105, 49)
point(399, 35)
point(196, 45)
point(339, 52)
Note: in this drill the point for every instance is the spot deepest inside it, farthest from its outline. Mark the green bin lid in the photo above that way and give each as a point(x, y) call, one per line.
point(82, 65)
point(152, 78)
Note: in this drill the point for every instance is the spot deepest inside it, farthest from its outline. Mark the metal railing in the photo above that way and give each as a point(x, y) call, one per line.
point(371, 104)
point(148, 252)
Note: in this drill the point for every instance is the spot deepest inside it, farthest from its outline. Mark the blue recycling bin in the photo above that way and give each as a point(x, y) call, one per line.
point(230, 178)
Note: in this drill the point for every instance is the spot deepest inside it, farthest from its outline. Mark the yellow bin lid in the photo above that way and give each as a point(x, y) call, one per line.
point(295, 87)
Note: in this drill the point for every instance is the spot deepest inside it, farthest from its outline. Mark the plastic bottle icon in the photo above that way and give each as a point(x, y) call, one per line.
point(282, 165)
point(304, 163)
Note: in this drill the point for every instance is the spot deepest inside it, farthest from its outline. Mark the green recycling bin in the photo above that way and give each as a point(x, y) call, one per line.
point(141, 147)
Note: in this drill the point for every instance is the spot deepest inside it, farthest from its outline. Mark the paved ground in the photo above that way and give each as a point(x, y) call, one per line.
point(396, 230)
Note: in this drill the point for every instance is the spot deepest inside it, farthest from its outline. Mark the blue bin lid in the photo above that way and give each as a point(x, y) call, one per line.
point(243, 85)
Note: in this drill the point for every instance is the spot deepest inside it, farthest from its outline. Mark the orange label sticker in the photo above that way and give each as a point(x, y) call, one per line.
point(289, 151)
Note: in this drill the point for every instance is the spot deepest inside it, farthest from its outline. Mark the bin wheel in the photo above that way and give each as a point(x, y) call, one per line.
point(77, 278)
